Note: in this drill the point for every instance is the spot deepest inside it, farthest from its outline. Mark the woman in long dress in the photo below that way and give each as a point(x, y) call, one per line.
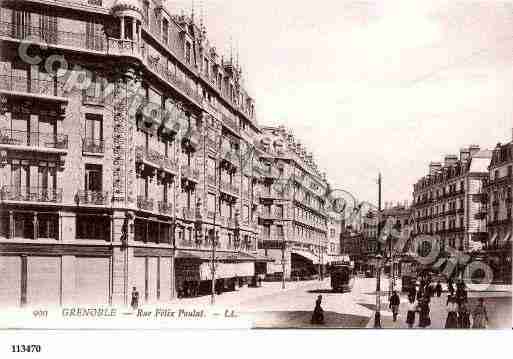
point(412, 308)
point(463, 316)
point(480, 315)
point(424, 319)
point(452, 314)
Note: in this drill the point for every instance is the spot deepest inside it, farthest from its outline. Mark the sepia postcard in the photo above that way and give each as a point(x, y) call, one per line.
point(255, 164)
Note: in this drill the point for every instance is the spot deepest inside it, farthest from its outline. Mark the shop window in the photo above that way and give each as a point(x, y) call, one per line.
point(23, 225)
point(93, 227)
point(47, 226)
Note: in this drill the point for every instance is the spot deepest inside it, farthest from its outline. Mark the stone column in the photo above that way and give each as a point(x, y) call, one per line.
point(68, 280)
point(122, 20)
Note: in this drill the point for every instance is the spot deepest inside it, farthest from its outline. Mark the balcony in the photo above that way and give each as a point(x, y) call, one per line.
point(272, 195)
point(92, 145)
point(165, 208)
point(229, 188)
point(31, 194)
point(125, 47)
point(155, 159)
point(270, 172)
point(231, 124)
point(60, 38)
point(96, 198)
point(276, 215)
point(144, 203)
point(190, 173)
point(188, 214)
point(191, 141)
point(170, 77)
point(33, 140)
point(29, 87)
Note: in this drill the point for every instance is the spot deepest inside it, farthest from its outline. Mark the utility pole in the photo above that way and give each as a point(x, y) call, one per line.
point(377, 316)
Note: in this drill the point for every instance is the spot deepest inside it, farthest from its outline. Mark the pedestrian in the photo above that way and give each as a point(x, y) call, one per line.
point(461, 293)
point(450, 287)
point(424, 319)
point(394, 302)
point(463, 316)
point(412, 308)
point(420, 293)
point(135, 299)
point(412, 292)
point(438, 289)
point(452, 317)
point(318, 313)
point(479, 315)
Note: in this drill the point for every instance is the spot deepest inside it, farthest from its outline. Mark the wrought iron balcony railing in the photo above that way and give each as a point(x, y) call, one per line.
point(144, 203)
point(190, 173)
point(188, 214)
point(165, 207)
point(92, 145)
point(31, 194)
point(62, 38)
point(155, 158)
point(98, 198)
point(33, 139)
point(229, 188)
point(27, 85)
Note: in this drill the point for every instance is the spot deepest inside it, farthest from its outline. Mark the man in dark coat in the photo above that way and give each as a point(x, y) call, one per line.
point(394, 302)
point(135, 299)
point(438, 289)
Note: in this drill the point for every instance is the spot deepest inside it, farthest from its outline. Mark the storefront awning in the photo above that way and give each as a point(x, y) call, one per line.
point(220, 256)
point(261, 258)
point(310, 256)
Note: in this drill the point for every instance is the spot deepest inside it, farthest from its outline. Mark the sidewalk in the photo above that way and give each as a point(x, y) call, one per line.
point(241, 295)
point(499, 312)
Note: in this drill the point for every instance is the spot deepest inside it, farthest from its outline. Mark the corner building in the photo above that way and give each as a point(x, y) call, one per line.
point(99, 194)
point(292, 210)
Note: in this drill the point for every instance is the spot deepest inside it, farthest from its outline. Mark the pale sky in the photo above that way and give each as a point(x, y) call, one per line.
point(374, 86)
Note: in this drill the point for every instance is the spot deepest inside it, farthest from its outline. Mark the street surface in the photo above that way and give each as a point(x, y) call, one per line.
point(273, 307)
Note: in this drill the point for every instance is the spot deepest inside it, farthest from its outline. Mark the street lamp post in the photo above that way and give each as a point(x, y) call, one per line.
point(377, 316)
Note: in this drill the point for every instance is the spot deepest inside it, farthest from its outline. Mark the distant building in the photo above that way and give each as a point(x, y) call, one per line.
point(443, 202)
point(292, 197)
point(498, 198)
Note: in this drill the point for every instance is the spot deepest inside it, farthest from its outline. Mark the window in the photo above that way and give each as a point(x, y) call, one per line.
point(93, 178)
point(94, 39)
point(279, 231)
point(47, 226)
point(47, 178)
point(94, 127)
point(165, 31)
point(93, 227)
point(21, 24)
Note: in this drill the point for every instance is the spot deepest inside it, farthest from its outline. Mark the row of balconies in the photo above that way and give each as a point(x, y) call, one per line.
point(33, 139)
point(98, 43)
point(451, 212)
point(34, 86)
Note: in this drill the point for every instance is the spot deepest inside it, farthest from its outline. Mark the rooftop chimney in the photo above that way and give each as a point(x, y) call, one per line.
point(434, 166)
point(450, 160)
point(464, 154)
point(474, 149)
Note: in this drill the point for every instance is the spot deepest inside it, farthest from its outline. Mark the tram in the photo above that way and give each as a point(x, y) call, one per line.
point(342, 277)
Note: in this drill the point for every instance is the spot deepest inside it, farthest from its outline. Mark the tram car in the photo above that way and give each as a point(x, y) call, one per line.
point(342, 276)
